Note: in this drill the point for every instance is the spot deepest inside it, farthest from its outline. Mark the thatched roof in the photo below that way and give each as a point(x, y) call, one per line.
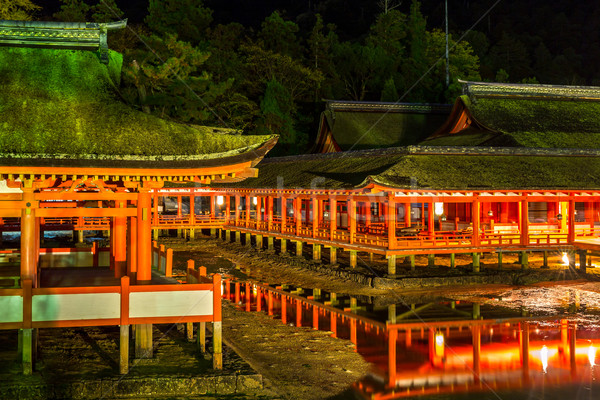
point(60, 107)
point(357, 125)
point(437, 168)
point(521, 115)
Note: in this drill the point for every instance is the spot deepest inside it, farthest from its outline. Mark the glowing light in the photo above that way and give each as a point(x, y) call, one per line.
point(592, 355)
point(438, 208)
point(565, 259)
point(544, 357)
point(220, 200)
point(439, 344)
point(255, 200)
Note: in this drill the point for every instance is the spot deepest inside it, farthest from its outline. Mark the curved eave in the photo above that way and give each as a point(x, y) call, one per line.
point(460, 118)
point(222, 167)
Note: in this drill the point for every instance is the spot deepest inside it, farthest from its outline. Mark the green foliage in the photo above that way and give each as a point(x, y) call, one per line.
point(21, 10)
point(63, 102)
point(188, 19)
point(170, 83)
point(263, 66)
point(277, 110)
point(389, 92)
point(279, 36)
point(106, 11)
point(72, 11)
point(389, 32)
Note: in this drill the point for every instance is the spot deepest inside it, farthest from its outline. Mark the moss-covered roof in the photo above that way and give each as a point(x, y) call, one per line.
point(64, 104)
point(437, 168)
point(361, 125)
point(528, 116)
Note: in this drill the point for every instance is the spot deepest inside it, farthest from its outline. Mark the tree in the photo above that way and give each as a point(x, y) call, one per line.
point(263, 66)
point(72, 11)
point(361, 69)
point(277, 112)
point(106, 11)
point(188, 19)
point(389, 32)
point(389, 92)
point(279, 36)
point(20, 10)
point(169, 82)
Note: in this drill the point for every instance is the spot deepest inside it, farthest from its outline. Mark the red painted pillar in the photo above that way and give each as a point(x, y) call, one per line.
point(391, 216)
point(283, 213)
point(179, 206)
point(248, 206)
point(237, 209)
point(524, 221)
point(571, 222)
point(132, 249)
point(392, 337)
point(298, 214)
point(28, 258)
point(352, 219)
point(120, 242)
point(332, 218)
point(476, 220)
point(269, 209)
point(144, 235)
point(192, 208)
point(315, 216)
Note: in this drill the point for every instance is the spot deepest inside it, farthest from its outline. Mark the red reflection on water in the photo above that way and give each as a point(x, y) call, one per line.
point(455, 356)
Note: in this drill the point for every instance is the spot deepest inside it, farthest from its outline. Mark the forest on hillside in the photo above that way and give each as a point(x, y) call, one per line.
point(265, 66)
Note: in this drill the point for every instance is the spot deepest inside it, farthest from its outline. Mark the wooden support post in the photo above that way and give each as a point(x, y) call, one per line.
point(283, 246)
point(545, 255)
point(298, 248)
point(201, 337)
point(27, 343)
point(238, 237)
point(431, 260)
point(476, 311)
point(391, 265)
point(333, 255)
point(80, 236)
point(476, 262)
point(500, 259)
point(283, 310)
point(28, 238)
point(120, 232)
point(412, 262)
point(316, 252)
point(270, 244)
point(248, 241)
point(582, 261)
point(259, 242)
point(332, 218)
point(392, 314)
point(524, 260)
point(315, 319)
point(353, 258)
point(124, 350)
point(283, 212)
point(143, 341)
point(452, 260)
point(192, 233)
point(189, 331)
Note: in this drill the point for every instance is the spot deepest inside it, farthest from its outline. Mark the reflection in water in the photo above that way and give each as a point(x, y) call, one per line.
point(450, 348)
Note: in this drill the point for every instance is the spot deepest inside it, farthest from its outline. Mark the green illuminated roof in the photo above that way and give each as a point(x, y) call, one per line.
point(61, 105)
point(358, 125)
point(527, 116)
point(435, 167)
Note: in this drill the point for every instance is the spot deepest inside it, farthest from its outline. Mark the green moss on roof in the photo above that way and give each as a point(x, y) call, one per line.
point(319, 171)
point(57, 101)
point(493, 172)
point(367, 130)
point(546, 123)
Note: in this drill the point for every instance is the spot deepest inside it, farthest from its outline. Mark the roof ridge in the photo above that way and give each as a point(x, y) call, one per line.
point(495, 89)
